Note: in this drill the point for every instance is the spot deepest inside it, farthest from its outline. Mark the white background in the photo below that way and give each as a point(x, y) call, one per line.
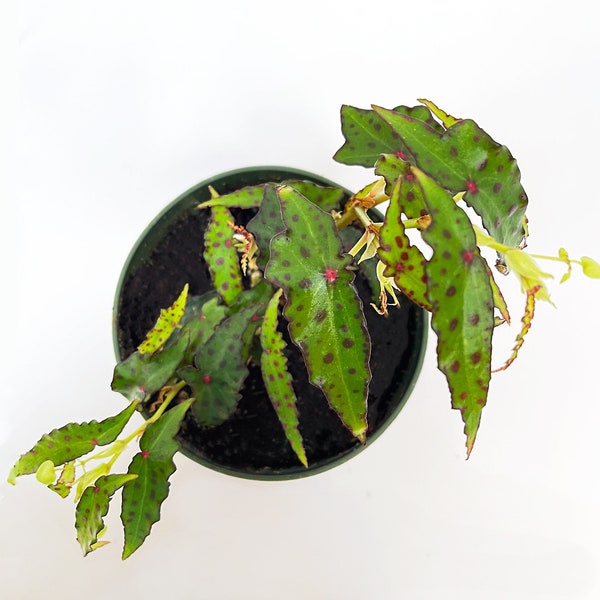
point(115, 108)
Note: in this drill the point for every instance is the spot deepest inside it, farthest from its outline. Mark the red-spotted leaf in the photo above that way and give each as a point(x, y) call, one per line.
point(323, 309)
point(466, 158)
point(71, 441)
point(221, 368)
point(93, 507)
point(391, 168)
point(404, 262)
point(462, 304)
point(221, 256)
point(368, 136)
point(166, 324)
point(142, 497)
point(278, 381)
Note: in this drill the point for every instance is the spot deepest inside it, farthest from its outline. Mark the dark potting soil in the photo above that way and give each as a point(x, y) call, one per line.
point(251, 442)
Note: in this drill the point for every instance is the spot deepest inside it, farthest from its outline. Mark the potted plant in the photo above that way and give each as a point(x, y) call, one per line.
point(290, 306)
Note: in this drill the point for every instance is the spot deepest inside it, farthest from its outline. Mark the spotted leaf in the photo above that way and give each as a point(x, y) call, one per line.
point(278, 381)
point(266, 224)
point(462, 304)
point(152, 466)
point(167, 322)
point(221, 256)
point(404, 262)
point(71, 441)
point(368, 136)
point(93, 507)
point(220, 369)
point(466, 158)
point(322, 307)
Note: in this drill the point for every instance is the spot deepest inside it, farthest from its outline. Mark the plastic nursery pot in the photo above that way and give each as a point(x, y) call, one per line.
point(251, 443)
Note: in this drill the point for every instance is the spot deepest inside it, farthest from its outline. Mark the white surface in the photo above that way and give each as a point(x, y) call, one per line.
point(124, 105)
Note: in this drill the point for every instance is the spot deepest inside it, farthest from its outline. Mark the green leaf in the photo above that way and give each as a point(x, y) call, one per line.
point(71, 441)
point(462, 301)
point(465, 157)
point(201, 318)
point(391, 168)
point(404, 262)
point(93, 506)
point(446, 119)
point(45, 473)
point(278, 381)
point(246, 197)
point(167, 322)
point(221, 369)
point(368, 136)
point(221, 256)
point(266, 224)
point(590, 267)
point(325, 197)
point(140, 375)
point(153, 466)
point(328, 198)
point(323, 309)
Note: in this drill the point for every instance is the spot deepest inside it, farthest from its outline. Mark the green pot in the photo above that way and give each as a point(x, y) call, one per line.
point(251, 443)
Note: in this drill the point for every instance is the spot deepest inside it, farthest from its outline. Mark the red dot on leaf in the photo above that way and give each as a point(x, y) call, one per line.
point(468, 256)
point(472, 187)
point(228, 243)
point(206, 379)
point(330, 275)
point(145, 454)
point(401, 155)
point(94, 442)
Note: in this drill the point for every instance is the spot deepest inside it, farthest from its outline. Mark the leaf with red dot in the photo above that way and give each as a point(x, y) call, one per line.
point(462, 304)
point(221, 256)
point(152, 466)
point(324, 312)
point(223, 360)
point(278, 381)
point(93, 507)
point(404, 262)
point(71, 441)
point(464, 157)
point(367, 135)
